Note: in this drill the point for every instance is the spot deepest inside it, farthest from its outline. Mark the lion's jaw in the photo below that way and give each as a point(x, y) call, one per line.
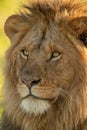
point(30, 104)
point(34, 101)
point(35, 106)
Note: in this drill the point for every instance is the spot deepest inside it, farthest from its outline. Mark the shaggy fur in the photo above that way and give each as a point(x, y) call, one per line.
point(46, 67)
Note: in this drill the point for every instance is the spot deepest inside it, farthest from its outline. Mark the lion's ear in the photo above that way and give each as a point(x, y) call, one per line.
point(14, 25)
point(80, 27)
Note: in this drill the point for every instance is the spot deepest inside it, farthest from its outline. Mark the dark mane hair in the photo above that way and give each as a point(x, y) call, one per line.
point(58, 9)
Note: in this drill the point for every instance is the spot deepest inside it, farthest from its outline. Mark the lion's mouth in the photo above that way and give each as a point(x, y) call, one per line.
point(41, 92)
point(36, 97)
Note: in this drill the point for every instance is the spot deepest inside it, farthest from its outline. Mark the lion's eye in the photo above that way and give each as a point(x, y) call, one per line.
point(24, 54)
point(56, 55)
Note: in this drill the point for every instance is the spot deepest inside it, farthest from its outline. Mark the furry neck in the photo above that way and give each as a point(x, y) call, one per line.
point(65, 114)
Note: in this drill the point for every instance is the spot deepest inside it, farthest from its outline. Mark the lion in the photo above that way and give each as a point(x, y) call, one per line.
point(45, 85)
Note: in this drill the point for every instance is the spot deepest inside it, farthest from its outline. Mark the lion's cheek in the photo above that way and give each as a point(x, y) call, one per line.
point(22, 90)
point(44, 92)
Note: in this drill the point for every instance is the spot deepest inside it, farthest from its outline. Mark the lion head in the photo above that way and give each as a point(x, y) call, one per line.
point(46, 62)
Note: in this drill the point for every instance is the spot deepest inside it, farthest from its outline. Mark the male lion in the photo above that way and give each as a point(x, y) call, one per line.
point(45, 75)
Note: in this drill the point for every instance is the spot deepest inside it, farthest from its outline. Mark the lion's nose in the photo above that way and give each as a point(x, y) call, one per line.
point(30, 82)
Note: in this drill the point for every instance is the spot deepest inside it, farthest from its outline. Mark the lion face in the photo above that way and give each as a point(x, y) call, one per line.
point(44, 68)
point(45, 58)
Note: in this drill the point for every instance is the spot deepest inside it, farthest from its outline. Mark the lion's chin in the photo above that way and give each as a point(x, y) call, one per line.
point(35, 106)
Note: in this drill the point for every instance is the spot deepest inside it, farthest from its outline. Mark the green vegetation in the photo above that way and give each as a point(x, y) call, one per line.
point(6, 9)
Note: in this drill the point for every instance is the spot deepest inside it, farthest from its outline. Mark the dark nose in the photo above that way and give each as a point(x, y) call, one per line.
point(30, 82)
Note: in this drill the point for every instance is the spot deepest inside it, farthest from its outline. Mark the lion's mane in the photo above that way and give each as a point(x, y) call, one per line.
point(68, 110)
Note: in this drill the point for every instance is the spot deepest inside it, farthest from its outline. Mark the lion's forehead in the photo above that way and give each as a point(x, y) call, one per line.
point(49, 39)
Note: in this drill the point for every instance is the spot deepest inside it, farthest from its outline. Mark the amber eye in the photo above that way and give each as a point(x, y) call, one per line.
point(56, 55)
point(24, 54)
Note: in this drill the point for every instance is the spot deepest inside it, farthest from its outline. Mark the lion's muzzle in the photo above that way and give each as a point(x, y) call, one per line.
point(38, 90)
point(30, 82)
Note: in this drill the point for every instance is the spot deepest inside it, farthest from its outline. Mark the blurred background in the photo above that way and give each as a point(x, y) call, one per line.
point(7, 8)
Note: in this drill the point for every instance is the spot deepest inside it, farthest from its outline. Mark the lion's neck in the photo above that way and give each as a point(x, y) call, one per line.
point(65, 116)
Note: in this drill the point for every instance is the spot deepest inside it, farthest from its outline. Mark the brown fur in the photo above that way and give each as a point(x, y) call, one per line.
point(48, 26)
